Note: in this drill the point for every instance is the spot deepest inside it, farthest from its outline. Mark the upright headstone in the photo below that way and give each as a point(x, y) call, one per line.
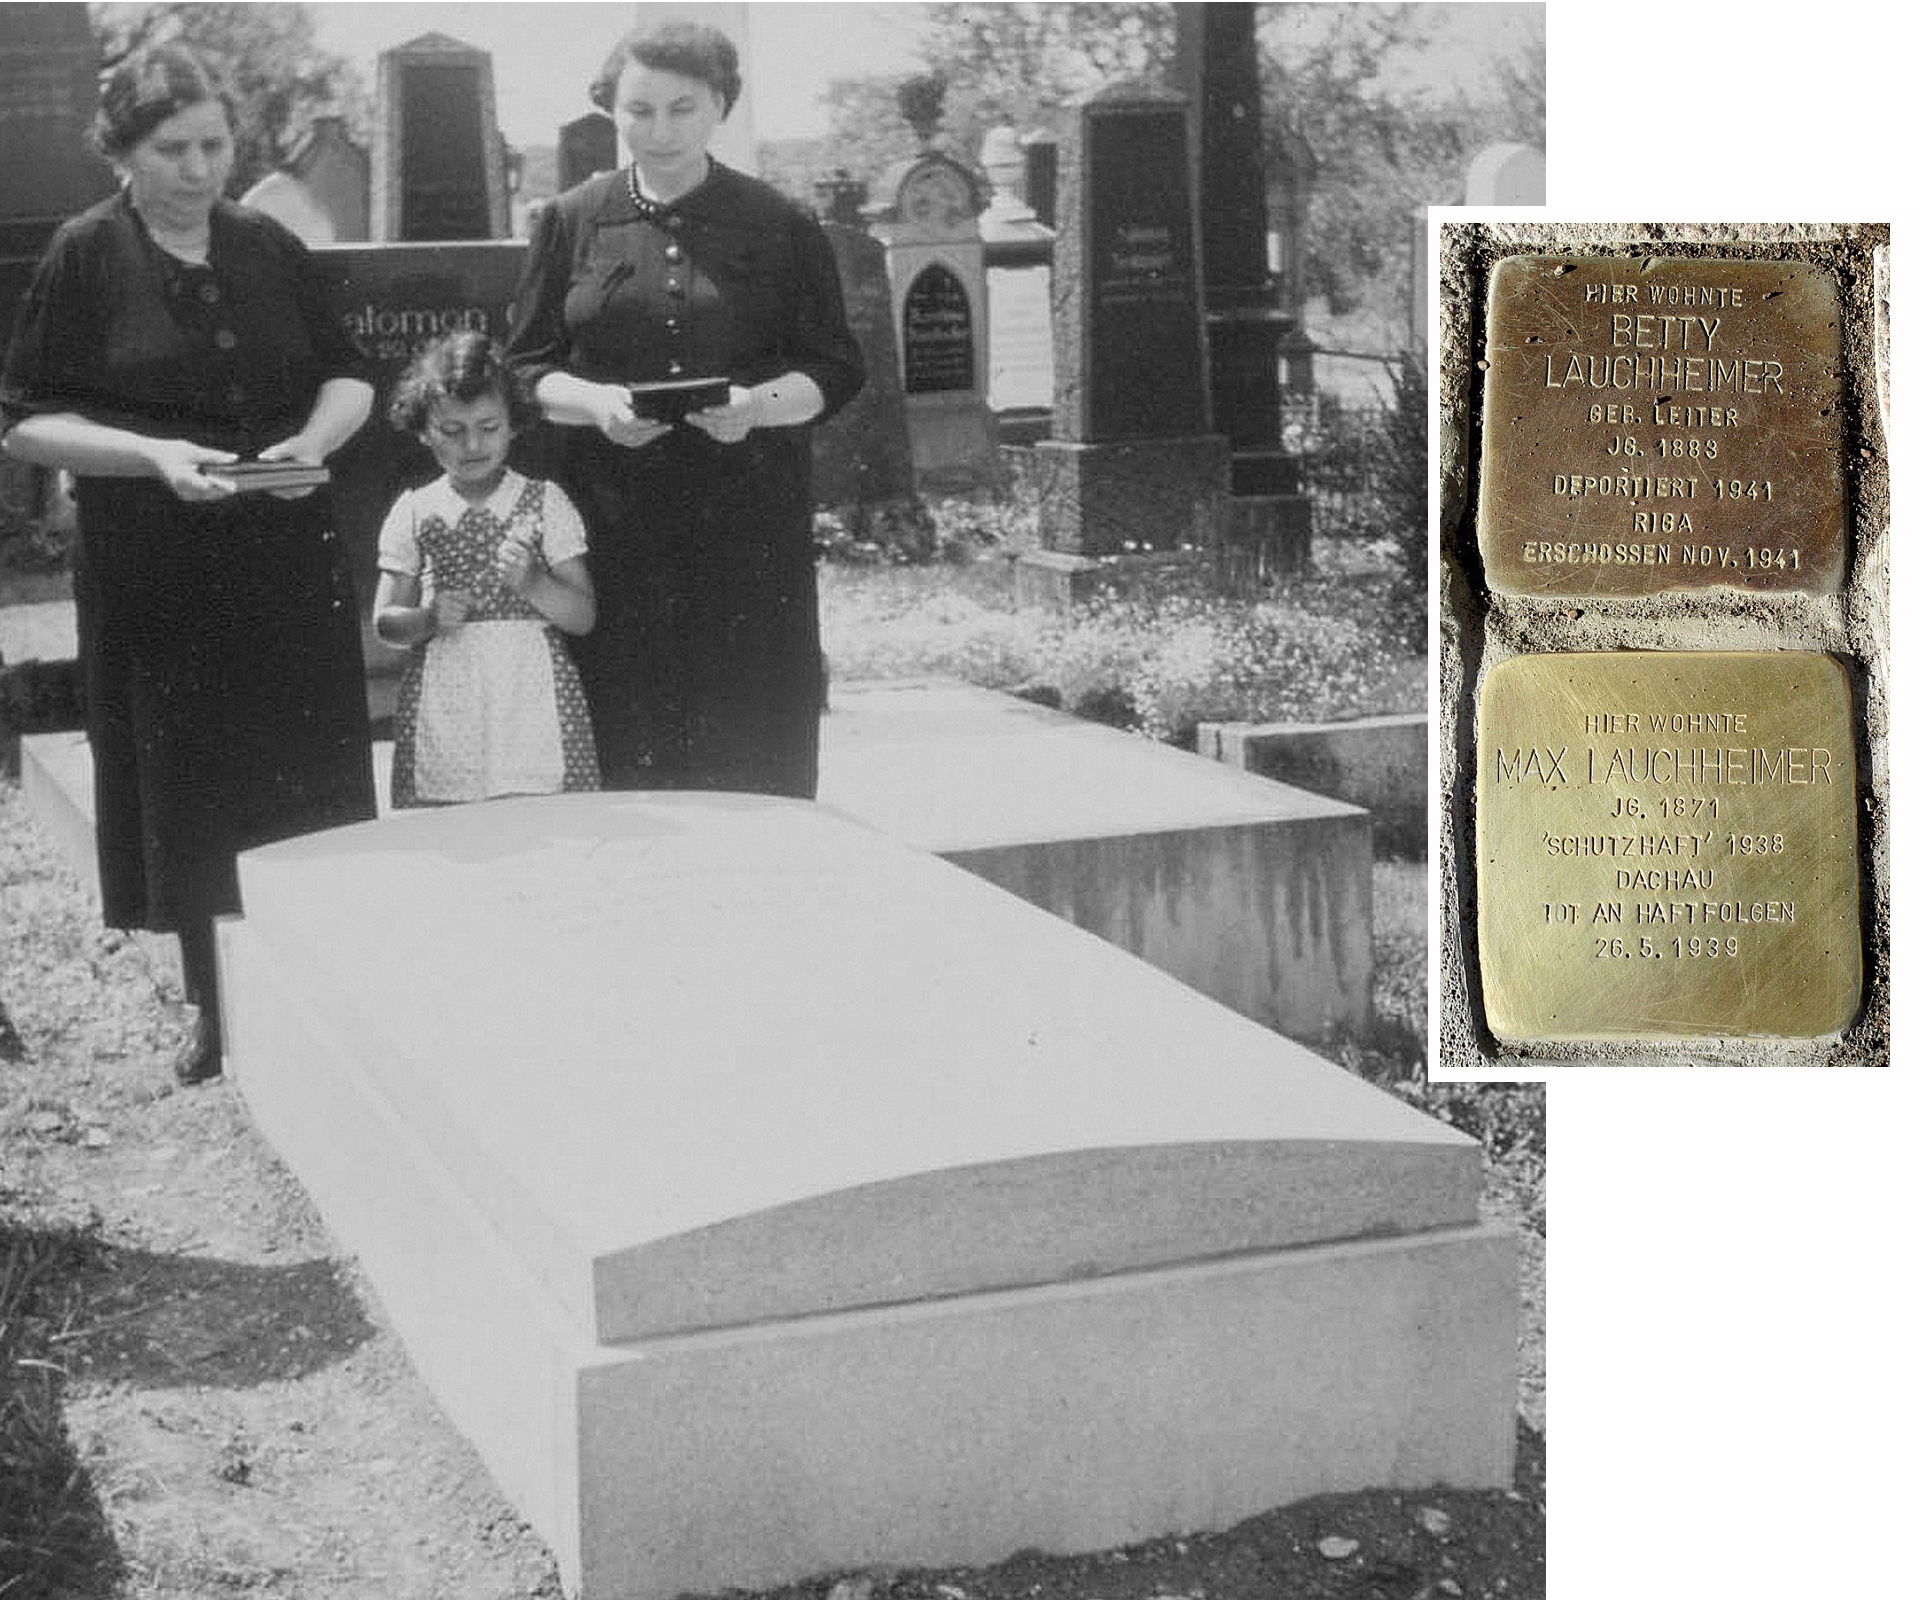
point(1133, 462)
point(1041, 152)
point(1019, 254)
point(49, 67)
point(393, 298)
point(1217, 65)
point(1507, 175)
point(321, 192)
point(863, 458)
point(841, 197)
point(927, 215)
point(439, 168)
point(48, 89)
point(588, 145)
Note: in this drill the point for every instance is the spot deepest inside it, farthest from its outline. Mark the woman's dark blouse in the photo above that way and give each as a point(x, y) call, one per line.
point(220, 641)
point(704, 668)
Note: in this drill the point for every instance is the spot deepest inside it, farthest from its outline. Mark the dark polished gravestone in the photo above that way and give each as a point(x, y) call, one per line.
point(587, 145)
point(393, 298)
point(863, 458)
point(439, 167)
point(1133, 462)
point(1256, 344)
point(48, 67)
point(936, 334)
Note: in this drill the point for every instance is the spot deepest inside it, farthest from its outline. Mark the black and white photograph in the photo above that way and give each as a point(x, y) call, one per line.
point(729, 830)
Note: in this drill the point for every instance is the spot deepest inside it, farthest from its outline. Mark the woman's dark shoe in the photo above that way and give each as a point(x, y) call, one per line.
point(199, 1057)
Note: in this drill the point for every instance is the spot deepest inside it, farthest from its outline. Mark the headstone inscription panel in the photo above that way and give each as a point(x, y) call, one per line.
point(1661, 423)
point(443, 178)
point(1667, 846)
point(393, 298)
point(439, 166)
point(1143, 295)
point(936, 334)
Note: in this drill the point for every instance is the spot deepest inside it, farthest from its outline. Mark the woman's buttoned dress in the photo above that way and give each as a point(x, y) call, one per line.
point(219, 641)
point(704, 668)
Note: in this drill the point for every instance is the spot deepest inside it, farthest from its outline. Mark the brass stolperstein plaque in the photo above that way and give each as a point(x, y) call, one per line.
point(1667, 846)
point(1654, 424)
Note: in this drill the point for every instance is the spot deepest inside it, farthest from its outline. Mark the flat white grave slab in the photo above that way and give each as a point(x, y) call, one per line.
point(762, 1196)
point(1255, 893)
point(719, 1059)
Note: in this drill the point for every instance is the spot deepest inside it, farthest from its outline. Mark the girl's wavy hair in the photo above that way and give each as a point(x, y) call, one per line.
point(687, 49)
point(148, 87)
point(460, 366)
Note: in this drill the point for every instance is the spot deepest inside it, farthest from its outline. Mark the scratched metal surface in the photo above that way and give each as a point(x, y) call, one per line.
point(1667, 846)
point(1661, 423)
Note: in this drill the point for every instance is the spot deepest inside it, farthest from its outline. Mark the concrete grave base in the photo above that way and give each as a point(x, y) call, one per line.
point(1053, 578)
point(1379, 763)
point(648, 1119)
point(1258, 895)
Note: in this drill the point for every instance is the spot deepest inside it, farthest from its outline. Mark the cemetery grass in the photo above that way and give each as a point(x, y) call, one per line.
point(1153, 650)
point(197, 1396)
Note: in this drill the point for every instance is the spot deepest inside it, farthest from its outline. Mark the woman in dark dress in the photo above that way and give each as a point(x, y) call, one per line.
point(704, 670)
point(166, 334)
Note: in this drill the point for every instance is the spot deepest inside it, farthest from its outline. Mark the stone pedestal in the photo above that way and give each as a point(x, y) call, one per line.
point(1053, 578)
point(693, 1210)
point(1141, 494)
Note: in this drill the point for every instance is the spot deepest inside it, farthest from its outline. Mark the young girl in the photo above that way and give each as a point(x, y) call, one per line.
point(480, 568)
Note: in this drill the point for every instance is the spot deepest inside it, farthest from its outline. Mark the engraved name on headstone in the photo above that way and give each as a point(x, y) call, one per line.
point(1667, 846)
point(394, 298)
point(936, 329)
point(1130, 463)
point(1142, 294)
point(1661, 423)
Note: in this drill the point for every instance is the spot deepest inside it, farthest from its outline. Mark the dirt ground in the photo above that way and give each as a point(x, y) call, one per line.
point(238, 1418)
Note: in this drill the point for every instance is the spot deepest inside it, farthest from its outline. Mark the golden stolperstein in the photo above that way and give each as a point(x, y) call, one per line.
point(1667, 846)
